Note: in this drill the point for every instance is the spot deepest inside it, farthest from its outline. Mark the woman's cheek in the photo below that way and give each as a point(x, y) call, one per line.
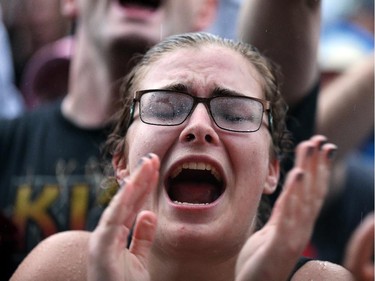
point(145, 139)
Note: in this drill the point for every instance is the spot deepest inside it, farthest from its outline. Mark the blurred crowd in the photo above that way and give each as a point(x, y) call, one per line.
point(36, 45)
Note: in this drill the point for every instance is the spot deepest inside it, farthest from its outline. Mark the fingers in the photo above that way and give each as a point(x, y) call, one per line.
point(126, 204)
point(306, 151)
point(143, 237)
point(314, 159)
point(107, 255)
point(286, 204)
point(360, 251)
point(308, 180)
point(108, 242)
point(118, 218)
point(304, 191)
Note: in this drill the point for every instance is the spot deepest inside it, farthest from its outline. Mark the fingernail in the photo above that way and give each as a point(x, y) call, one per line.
point(332, 153)
point(149, 155)
point(310, 151)
point(122, 183)
point(321, 143)
point(140, 161)
point(300, 176)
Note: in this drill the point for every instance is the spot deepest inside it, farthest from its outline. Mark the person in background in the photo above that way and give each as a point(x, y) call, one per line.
point(11, 102)
point(346, 116)
point(46, 74)
point(32, 24)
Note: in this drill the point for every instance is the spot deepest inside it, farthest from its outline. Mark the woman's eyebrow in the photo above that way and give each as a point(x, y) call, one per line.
point(179, 87)
point(220, 91)
point(217, 91)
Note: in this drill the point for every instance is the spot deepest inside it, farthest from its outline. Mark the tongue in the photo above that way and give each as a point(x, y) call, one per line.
point(194, 193)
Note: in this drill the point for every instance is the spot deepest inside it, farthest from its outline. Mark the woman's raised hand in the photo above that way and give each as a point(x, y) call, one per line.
point(272, 252)
point(109, 259)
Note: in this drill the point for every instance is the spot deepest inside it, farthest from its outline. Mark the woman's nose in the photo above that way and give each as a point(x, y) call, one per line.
point(199, 127)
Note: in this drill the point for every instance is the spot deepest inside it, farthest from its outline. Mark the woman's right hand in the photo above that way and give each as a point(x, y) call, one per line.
point(109, 259)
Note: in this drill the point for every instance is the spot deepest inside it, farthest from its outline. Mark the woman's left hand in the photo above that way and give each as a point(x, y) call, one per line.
point(272, 252)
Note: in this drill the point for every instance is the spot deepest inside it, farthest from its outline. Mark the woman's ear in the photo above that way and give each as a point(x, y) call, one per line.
point(119, 166)
point(69, 8)
point(206, 14)
point(273, 176)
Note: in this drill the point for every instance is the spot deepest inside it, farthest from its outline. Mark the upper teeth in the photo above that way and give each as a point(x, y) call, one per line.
point(196, 166)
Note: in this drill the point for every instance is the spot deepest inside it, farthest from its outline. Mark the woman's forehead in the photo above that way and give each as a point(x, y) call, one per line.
point(202, 67)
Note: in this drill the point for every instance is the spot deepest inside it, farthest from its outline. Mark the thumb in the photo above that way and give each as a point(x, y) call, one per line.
point(144, 232)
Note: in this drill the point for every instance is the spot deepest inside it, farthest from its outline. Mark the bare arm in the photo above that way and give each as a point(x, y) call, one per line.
point(346, 107)
point(287, 31)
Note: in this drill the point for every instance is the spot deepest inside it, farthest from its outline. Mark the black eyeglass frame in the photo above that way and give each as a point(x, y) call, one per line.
point(266, 105)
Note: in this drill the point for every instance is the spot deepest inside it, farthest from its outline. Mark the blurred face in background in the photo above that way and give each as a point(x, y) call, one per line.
point(46, 22)
point(32, 24)
point(110, 21)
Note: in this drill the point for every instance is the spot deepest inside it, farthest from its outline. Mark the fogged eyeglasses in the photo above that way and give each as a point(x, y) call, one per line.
point(172, 108)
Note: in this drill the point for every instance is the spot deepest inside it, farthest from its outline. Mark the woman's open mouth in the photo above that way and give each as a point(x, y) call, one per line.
point(195, 183)
point(144, 4)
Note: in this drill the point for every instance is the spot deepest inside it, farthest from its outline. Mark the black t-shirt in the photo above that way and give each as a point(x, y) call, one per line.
point(50, 174)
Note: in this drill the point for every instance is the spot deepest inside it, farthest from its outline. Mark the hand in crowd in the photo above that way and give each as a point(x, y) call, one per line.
point(359, 257)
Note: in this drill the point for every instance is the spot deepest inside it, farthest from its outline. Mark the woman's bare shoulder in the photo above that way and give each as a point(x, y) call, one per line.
point(322, 270)
point(59, 257)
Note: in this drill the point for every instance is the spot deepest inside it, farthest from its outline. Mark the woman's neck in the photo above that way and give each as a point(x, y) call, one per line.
point(198, 268)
